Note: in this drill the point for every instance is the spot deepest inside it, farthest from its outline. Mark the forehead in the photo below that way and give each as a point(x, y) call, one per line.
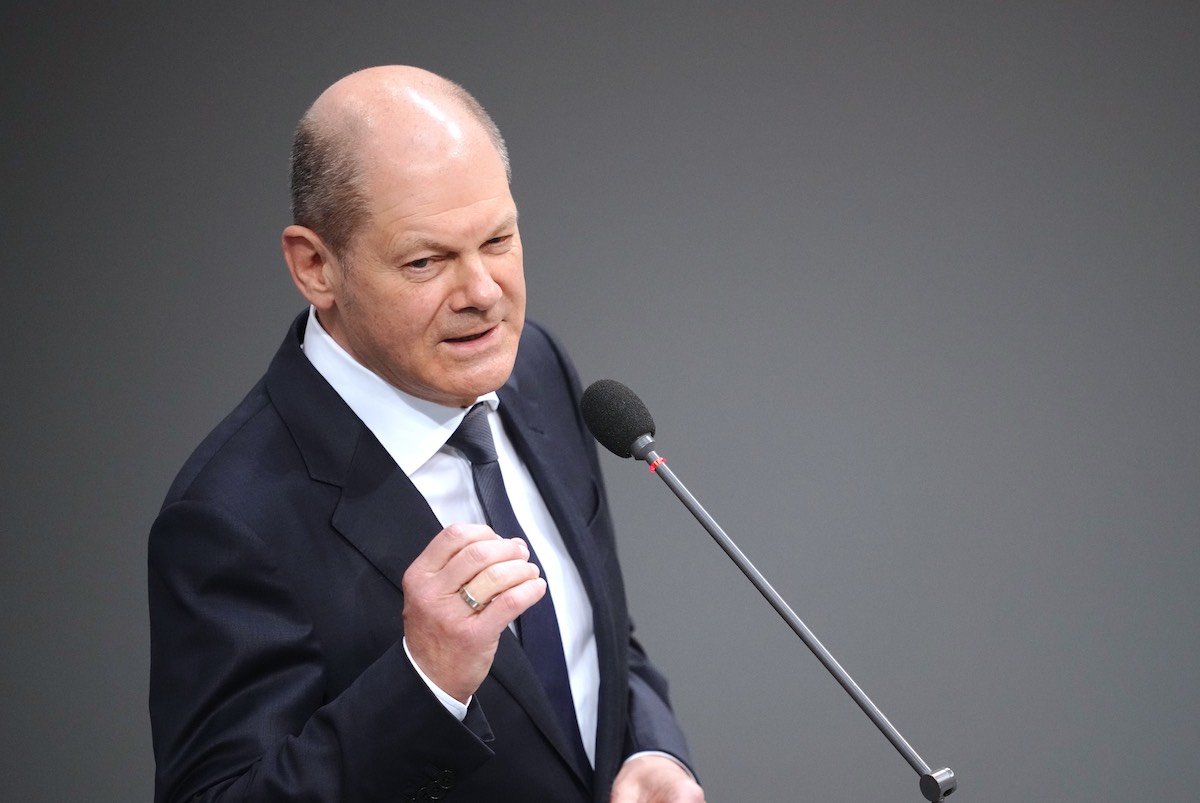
point(423, 157)
point(462, 194)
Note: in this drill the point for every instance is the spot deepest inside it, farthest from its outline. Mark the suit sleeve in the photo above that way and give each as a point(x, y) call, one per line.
point(239, 697)
point(652, 723)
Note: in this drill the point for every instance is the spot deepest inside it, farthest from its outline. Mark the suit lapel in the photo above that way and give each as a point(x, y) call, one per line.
point(554, 473)
point(536, 447)
point(382, 513)
point(378, 502)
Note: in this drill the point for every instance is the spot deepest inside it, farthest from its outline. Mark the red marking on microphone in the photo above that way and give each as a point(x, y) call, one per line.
point(657, 463)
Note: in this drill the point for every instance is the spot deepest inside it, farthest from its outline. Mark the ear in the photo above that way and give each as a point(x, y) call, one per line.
point(311, 265)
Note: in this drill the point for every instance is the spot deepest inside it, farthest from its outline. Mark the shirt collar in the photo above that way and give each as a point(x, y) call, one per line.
point(412, 430)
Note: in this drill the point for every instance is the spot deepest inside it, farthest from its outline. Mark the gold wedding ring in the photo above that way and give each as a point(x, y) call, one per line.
point(475, 604)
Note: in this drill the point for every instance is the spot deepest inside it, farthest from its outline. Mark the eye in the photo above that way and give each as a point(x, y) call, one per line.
point(499, 242)
point(424, 263)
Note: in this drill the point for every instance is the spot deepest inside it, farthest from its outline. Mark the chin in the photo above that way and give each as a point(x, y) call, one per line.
point(471, 388)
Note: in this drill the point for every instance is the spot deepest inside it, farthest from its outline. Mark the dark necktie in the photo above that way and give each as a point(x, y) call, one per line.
point(538, 626)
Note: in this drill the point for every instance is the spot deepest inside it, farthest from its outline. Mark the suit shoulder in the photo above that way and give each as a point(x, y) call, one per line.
point(542, 352)
point(249, 430)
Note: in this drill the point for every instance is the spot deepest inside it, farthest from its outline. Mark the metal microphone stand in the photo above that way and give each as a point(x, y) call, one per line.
point(935, 784)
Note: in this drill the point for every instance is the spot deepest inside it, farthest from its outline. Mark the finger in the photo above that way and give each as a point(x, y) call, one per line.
point(475, 558)
point(497, 578)
point(448, 543)
point(504, 608)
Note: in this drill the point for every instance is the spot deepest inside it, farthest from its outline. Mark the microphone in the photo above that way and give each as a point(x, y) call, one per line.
point(616, 416)
point(622, 424)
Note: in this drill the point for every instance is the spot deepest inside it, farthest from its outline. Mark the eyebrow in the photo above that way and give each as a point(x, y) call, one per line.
point(509, 221)
point(408, 245)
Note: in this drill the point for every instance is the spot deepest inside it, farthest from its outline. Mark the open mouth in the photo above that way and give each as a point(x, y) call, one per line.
point(467, 338)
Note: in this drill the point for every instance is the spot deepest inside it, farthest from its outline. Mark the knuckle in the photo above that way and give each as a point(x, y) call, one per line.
point(493, 575)
point(478, 552)
point(411, 580)
point(507, 603)
point(457, 532)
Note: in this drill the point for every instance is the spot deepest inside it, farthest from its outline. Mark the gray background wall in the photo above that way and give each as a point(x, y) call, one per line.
point(912, 289)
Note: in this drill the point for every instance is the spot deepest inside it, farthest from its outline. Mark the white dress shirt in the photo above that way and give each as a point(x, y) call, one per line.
point(414, 432)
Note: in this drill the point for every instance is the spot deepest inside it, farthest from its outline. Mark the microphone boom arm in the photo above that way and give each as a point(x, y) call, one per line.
point(935, 785)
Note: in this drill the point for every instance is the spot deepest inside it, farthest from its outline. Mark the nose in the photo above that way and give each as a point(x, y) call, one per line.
point(477, 288)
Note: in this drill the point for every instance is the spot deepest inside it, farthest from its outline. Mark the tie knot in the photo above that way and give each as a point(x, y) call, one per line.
point(474, 436)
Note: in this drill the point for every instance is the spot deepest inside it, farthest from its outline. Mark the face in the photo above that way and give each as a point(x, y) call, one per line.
point(431, 295)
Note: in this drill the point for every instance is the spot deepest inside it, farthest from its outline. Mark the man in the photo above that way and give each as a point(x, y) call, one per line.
point(317, 633)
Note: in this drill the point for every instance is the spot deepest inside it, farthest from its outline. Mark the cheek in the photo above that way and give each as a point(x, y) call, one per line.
point(513, 279)
point(409, 313)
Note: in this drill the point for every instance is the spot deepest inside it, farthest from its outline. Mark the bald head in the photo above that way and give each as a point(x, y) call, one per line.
point(381, 113)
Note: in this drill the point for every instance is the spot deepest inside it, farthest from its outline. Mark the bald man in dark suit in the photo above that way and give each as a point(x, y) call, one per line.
point(332, 618)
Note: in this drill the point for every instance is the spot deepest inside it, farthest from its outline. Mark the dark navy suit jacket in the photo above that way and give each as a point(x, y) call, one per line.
point(277, 671)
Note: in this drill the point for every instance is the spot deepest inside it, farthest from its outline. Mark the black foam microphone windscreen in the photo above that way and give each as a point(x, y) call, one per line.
point(615, 415)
